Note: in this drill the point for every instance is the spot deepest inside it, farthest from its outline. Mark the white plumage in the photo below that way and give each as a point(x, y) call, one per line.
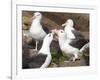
point(43, 57)
point(36, 30)
point(65, 44)
point(46, 49)
point(68, 28)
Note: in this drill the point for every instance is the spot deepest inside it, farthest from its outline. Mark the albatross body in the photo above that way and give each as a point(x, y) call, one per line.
point(43, 57)
point(70, 31)
point(70, 46)
point(37, 30)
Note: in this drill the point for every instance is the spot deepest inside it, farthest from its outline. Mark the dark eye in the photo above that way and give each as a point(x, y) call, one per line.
point(38, 14)
point(61, 31)
point(49, 35)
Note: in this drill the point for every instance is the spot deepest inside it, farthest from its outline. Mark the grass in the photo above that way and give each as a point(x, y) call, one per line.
point(57, 58)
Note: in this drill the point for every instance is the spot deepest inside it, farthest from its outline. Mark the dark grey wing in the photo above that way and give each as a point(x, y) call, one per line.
point(45, 29)
point(77, 34)
point(37, 61)
point(78, 43)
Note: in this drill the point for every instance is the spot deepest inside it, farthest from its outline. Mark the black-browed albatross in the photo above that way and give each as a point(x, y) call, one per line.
point(71, 32)
point(71, 46)
point(37, 30)
point(43, 56)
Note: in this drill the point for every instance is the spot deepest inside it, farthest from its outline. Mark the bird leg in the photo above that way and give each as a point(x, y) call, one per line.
point(76, 57)
point(36, 45)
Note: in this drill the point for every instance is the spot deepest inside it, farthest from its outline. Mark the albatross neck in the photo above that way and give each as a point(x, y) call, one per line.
point(62, 41)
point(36, 22)
point(68, 28)
point(45, 47)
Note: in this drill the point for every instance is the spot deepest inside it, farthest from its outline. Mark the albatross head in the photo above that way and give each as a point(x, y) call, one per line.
point(61, 34)
point(45, 49)
point(37, 15)
point(49, 38)
point(69, 22)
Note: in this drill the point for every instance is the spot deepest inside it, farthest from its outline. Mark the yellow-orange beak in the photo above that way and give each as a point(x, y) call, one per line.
point(55, 31)
point(63, 25)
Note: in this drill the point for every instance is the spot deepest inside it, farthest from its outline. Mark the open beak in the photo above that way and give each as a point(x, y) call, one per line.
point(55, 34)
point(55, 31)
